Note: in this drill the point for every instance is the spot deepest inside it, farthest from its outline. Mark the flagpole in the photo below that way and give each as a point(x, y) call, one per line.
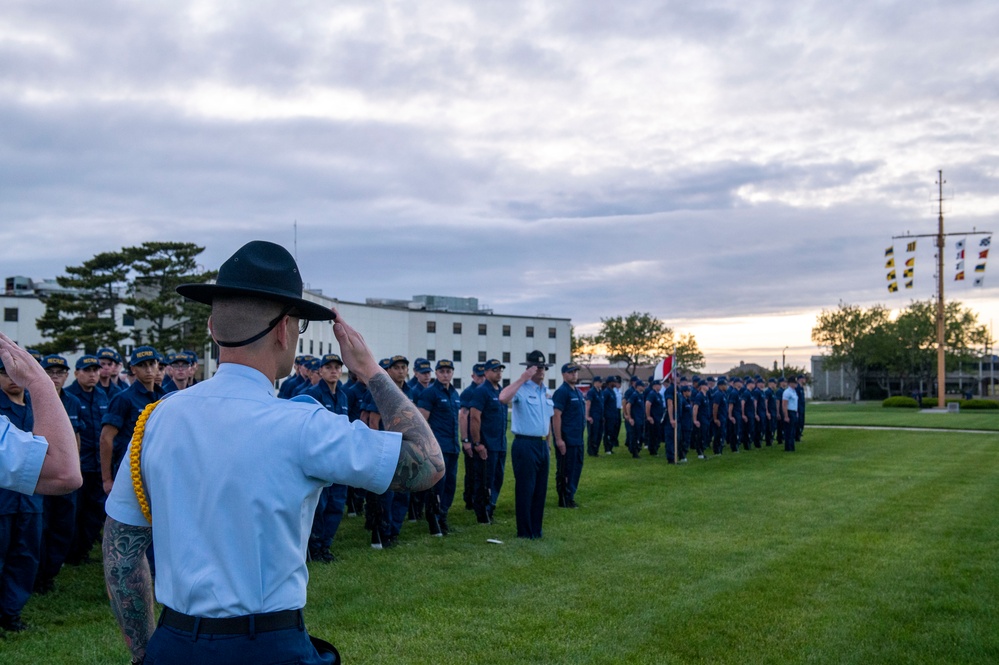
point(941, 370)
point(676, 406)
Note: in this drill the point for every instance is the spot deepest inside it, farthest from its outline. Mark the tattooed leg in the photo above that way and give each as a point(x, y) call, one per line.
point(126, 572)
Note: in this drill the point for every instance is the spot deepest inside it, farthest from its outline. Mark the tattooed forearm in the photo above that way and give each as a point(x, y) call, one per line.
point(421, 463)
point(126, 572)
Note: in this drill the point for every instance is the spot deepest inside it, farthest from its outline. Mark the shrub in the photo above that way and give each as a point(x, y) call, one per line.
point(901, 403)
point(979, 404)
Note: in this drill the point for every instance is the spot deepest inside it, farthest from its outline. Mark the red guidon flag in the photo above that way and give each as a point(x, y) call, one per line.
point(664, 368)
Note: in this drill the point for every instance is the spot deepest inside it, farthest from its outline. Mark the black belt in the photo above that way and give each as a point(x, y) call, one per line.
point(242, 625)
point(543, 439)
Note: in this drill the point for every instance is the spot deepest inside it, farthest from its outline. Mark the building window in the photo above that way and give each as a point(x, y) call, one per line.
point(506, 356)
point(551, 358)
point(431, 326)
point(456, 383)
point(431, 354)
point(311, 349)
point(551, 333)
point(506, 331)
point(320, 348)
point(10, 313)
point(456, 356)
point(301, 346)
point(457, 328)
point(482, 356)
point(506, 382)
point(482, 329)
point(128, 320)
point(530, 331)
point(551, 384)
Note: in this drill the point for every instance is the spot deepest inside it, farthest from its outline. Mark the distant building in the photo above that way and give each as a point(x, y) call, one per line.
point(980, 378)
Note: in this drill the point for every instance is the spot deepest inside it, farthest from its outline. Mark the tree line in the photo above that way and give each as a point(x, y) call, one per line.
point(871, 346)
point(136, 283)
point(637, 339)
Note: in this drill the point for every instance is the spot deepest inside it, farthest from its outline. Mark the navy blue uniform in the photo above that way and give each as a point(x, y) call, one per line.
point(612, 420)
point(468, 488)
point(357, 394)
point(595, 429)
point(289, 386)
point(442, 404)
point(387, 510)
point(629, 429)
point(492, 432)
point(20, 527)
point(800, 423)
point(770, 397)
point(90, 497)
point(569, 467)
point(636, 403)
point(702, 431)
point(747, 416)
point(719, 406)
point(123, 412)
point(685, 425)
point(329, 509)
point(657, 410)
point(59, 515)
point(759, 427)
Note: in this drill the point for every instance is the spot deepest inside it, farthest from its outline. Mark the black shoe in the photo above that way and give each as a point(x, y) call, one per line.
point(376, 539)
point(572, 504)
point(561, 502)
point(391, 541)
point(445, 527)
point(43, 587)
point(12, 624)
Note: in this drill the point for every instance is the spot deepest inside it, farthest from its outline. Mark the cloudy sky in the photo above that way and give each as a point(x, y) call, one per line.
point(731, 166)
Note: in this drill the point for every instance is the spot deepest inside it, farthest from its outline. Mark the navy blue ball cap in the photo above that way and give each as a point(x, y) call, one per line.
point(444, 364)
point(143, 353)
point(685, 389)
point(492, 364)
point(702, 382)
point(570, 367)
point(108, 354)
point(396, 360)
point(722, 381)
point(54, 361)
point(801, 376)
point(783, 379)
point(385, 363)
point(260, 269)
point(330, 358)
point(421, 366)
point(655, 382)
point(639, 383)
point(313, 364)
point(35, 353)
point(83, 362)
point(479, 369)
point(595, 379)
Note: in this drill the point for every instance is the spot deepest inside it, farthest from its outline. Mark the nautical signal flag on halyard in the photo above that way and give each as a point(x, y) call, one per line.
point(959, 277)
point(984, 254)
point(910, 262)
point(960, 254)
point(890, 251)
point(980, 267)
point(908, 284)
point(979, 281)
point(960, 244)
point(911, 247)
point(985, 242)
point(907, 273)
point(893, 287)
point(890, 263)
point(891, 275)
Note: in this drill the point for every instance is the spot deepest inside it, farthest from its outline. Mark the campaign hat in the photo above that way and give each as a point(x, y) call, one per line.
point(444, 364)
point(53, 360)
point(264, 270)
point(536, 359)
point(83, 362)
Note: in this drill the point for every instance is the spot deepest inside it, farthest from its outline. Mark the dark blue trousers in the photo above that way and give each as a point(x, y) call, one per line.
point(169, 645)
point(90, 516)
point(448, 485)
point(329, 514)
point(790, 428)
point(58, 525)
point(530, 459)
point(595, 434)
point(568, 469)
point(20, 543)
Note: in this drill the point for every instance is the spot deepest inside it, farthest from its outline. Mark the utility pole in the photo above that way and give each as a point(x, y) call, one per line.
point(941, 373)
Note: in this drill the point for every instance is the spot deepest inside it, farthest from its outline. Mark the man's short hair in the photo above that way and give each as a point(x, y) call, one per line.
point(236, 318)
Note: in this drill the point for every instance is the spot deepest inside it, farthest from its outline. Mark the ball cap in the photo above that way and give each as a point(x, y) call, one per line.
point(570, 367)
point(421, 365)
point(54, 361)
point(84, 362)
point(143, 353)
point(264, 270)
point(492, 364)
point(108, 354)
point(444, 364)
point(479, 369)
point(330, 358)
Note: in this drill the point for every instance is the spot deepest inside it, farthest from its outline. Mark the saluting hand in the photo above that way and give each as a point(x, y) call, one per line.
point(354, 350)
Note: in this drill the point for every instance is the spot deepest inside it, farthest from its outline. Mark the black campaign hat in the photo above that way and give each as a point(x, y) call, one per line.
point(264, 270)
point(536, 358)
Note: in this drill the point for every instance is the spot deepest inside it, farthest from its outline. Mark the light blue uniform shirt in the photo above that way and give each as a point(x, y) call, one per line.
point(531, 410)
point(791, 395)
point(233, 475)
point(21, 458)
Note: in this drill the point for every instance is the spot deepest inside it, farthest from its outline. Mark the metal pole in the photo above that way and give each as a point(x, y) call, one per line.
point(941, 375)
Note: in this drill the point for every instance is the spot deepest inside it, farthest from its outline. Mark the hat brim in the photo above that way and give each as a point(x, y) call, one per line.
point(302, 308)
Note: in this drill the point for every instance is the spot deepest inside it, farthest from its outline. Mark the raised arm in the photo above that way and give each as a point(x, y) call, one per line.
point(60, 472)
point(421, 463)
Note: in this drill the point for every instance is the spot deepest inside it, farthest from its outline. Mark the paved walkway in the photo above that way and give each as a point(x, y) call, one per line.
point(905, 429)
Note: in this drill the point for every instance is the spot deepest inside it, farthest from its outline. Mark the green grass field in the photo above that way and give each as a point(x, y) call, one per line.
point(862, 547)
point(874, 415)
